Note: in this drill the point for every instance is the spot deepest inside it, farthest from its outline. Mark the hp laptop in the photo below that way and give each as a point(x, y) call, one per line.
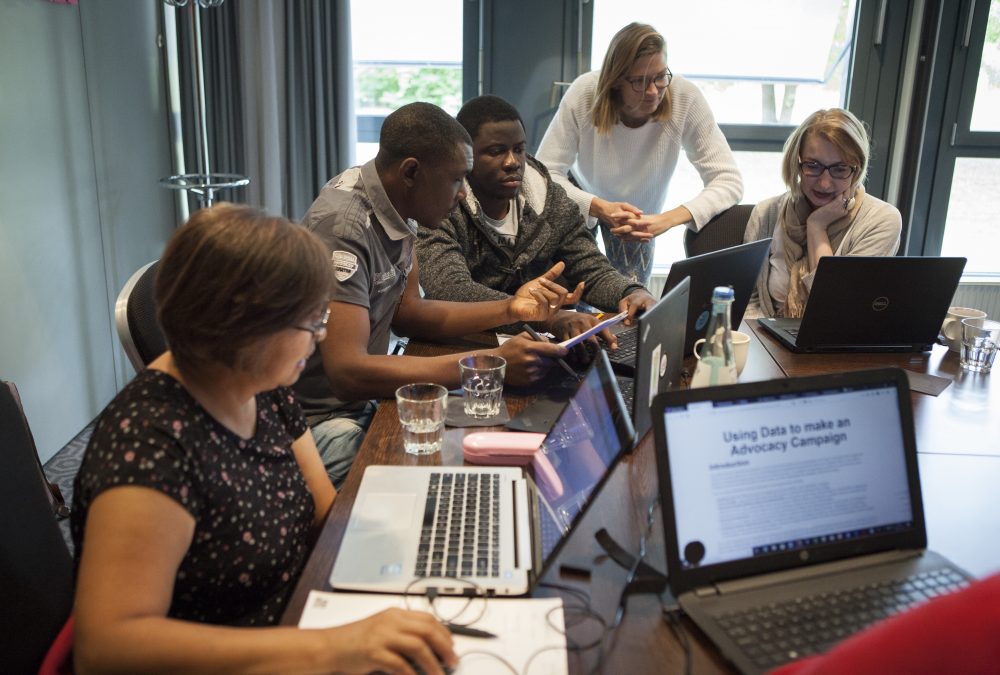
point(792, 512)
point(737, 266)
point(491, 530)
point(865, 304)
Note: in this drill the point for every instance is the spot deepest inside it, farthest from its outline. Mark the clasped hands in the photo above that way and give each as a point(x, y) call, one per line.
point(627, 222)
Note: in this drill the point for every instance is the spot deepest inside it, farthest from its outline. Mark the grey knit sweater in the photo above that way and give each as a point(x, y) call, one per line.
point(460, 261)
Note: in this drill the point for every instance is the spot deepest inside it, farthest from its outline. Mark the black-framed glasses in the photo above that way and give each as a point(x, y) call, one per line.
point(840, 171)
point(319, 326)
point(640, 84)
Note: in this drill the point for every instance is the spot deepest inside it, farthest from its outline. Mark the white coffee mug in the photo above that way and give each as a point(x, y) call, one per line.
point(951, 329)
point(741, 347)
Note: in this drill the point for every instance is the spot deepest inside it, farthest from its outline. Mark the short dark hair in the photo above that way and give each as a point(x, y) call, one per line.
point(420, 130)
point(485, 109)
point(232, 275)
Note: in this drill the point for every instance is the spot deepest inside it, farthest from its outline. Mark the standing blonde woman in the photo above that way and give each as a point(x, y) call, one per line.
point(825, 212)
point(619, 131)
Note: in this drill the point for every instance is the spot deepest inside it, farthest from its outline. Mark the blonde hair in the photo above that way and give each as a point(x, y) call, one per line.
point(630, 43)
point(841, 128)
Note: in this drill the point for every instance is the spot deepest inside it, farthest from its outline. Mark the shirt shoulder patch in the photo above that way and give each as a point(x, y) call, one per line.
point(345, 264)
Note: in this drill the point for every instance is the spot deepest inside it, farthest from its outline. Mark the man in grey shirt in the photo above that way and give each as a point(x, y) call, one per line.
point(368, 218)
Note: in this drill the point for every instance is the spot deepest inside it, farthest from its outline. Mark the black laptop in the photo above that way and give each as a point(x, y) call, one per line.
point(792, 512)
point(737, 266)
point(872, 304)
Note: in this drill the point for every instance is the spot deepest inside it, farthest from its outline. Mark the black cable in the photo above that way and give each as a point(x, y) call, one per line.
point(672, 615)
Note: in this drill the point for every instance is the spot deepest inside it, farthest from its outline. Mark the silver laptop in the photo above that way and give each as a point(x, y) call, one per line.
point(406, 528)
point(792, 512)
point(648, 364)
point(872, 304)
point(658, 359)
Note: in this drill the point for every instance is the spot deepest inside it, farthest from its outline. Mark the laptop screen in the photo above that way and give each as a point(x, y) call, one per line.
point(579, 451)
point(782, 472)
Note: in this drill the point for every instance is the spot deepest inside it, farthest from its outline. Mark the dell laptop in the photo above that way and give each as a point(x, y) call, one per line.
point(488, 530)
point(792, 512)
point(872, 304)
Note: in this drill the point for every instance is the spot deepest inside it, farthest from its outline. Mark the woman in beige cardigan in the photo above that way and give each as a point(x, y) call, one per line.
point(824, 212)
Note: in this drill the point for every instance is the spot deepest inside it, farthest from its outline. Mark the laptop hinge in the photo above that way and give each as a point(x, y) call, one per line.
point(522, 531)
point(811, 572)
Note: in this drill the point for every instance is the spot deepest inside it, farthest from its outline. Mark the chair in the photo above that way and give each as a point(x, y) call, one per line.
point(723, 231)
point(135, 318)
point(36, 572)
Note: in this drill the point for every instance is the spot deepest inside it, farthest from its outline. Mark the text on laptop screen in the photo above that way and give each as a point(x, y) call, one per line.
point(576, 454)
point(752, 477)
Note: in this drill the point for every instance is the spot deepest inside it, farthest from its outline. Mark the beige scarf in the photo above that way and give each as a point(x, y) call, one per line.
point(793, 220)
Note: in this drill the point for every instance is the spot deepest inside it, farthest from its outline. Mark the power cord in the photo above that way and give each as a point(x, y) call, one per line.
point(672, 615)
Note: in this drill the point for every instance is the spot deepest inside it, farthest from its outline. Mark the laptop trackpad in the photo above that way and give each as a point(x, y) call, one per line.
point(386, 511)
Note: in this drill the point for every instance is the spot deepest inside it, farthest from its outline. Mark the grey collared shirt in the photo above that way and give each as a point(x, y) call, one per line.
point(371, 249)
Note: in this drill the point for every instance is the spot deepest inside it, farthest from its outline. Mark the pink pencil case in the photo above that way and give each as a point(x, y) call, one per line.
point(501, 448)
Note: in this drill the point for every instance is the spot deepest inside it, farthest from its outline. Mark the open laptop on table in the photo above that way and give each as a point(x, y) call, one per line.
point(872, 304)
point(656, 365)
point(792, 511)
point(736, 266)
point(406, 529)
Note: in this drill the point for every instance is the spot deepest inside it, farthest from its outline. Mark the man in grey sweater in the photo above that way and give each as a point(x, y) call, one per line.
point(514, 224)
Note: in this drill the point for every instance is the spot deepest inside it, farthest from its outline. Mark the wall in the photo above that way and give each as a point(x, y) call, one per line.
point(82, 145)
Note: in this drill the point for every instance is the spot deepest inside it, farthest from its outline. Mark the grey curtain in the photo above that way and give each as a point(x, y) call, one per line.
point(279, 97)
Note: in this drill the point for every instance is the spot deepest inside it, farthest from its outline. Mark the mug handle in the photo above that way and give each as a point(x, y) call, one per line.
point(947, 331)
point(696, 343)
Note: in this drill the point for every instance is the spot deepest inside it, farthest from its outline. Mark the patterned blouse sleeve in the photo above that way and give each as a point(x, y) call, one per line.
point(143, 443)
point(290, 412)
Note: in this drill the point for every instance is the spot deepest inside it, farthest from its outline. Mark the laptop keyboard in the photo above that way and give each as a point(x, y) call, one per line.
point(628, 346)
point(780, 632)
point(460, 536)
point(626, 385)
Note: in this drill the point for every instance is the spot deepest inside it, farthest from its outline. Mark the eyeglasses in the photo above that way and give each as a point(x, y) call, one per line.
point(319, 326)
point(815, 170)
point(640, 84)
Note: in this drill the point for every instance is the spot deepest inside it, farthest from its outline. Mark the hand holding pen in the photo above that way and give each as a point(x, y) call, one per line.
point(562, 363)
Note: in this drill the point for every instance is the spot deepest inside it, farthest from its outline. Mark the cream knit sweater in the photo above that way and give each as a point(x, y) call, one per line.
point(635, 165)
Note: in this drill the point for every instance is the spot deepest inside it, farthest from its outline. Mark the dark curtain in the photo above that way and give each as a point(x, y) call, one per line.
point(278, 96)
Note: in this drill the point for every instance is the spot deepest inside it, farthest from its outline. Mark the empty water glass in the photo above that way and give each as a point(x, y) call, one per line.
point(979, 344)
point(482, 384)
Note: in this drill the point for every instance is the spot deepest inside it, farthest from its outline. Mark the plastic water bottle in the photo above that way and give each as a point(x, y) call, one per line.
point(716, 358)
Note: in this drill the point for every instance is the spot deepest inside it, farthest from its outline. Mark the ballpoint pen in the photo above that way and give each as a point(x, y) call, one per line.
point(467, 631)
point(538, 338)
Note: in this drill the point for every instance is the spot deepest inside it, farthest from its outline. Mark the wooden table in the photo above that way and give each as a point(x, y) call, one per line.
point(959, 496)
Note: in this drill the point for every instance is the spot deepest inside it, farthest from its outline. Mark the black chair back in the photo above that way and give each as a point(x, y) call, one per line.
point(135, 318)
point(36, 572)
point(725, 230)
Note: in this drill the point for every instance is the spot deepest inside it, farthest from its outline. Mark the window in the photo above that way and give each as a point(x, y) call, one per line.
point(964, 198)
point(793, 58)
point(403, 52)
point(782, 59)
